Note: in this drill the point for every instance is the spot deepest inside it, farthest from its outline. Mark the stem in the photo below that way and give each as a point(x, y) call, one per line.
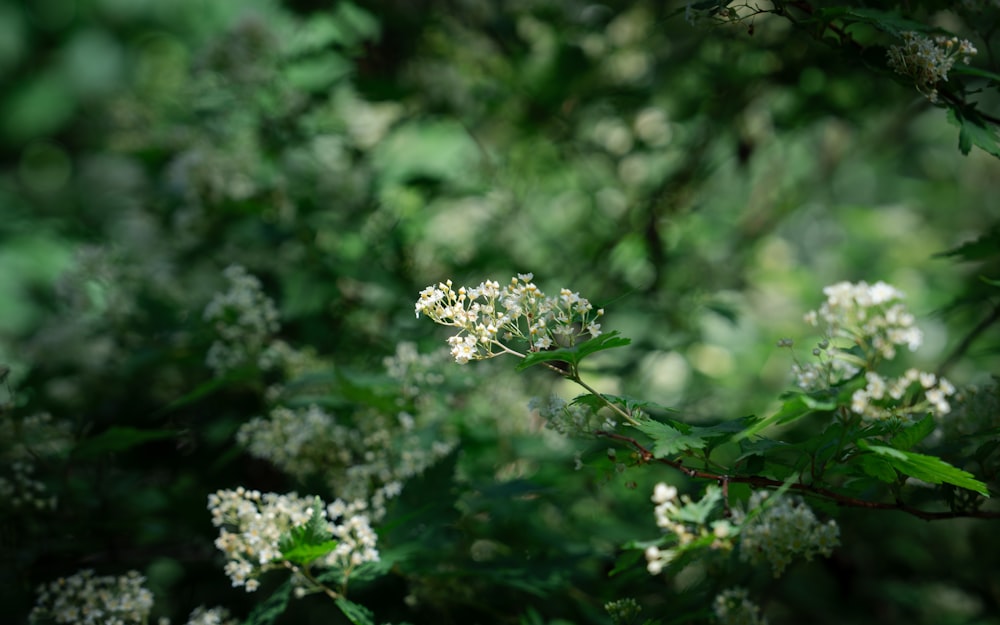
point(575, 377)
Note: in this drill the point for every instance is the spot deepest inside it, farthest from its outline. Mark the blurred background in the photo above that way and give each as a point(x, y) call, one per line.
point(702, 181)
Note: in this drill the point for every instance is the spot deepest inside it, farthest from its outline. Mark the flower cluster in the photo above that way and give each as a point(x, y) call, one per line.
point(252, 525)
point(487, 315)
point(84, 599)
point(366, 459)
point(881, 398)
point(243, 318)
point(872, 317)
point(623, 611)
point(926, 61)
point(23, 443)
point(211, 616)
point(864, 326)
point(733, 607)
point(677, 516)
point(780, 529)
point(22, 490)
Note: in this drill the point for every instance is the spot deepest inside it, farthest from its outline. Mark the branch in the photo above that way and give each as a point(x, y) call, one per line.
point(758, 481)
point(966, 343)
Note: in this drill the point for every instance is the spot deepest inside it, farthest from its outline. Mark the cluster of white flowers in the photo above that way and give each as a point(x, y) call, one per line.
point(22, 490)
point(243, 318)
point(927, 61)
point(622, 611)
point(733, 607)
point(670, 516)
point(881, 398)
point(864, 324)
point(415, 371)
point(23, 443)
point(211, 616)
point(487, 314)
point(84, 599)
point(871, 317)
point(783, 528)
point(252, 524)
point(367, 459)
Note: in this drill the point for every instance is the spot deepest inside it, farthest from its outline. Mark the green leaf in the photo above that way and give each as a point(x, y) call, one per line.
point(885, 21)
point(975, 71)
point(927, 468)
point(974, 130)
point(879, 468)
point(668, 440)
point(119, 438)
point(913, 434)
point(357, 614)
point(985, 247)
point(796, 406)
point(575, 354)
point(267, 612)
point(306, 543)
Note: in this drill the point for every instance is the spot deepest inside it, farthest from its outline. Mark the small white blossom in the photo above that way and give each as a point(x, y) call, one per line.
point(926, 61)
point(485, 314)
point(733, 607)
point(85, 599)
point(784, 529)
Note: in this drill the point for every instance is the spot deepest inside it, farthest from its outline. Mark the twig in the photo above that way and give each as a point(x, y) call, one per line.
point(808, 489)
point(966, 343)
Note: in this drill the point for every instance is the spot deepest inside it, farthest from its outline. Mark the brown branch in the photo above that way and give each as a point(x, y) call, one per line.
point(759, 481)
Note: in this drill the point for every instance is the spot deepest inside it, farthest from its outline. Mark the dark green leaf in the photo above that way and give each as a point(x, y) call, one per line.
point(985, 247)
point(357, 614)
point(119, 438)
point(974, 130)
point(267, 612)
point(913, 434)
point(878, 468)
point(575, 354)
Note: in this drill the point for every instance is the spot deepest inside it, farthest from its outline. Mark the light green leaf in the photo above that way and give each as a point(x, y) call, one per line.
point(927, 468)
point(306, 543)
point(796, 406)
point(668, 440)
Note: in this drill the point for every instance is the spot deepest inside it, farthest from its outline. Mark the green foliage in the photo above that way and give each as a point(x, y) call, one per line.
point(306, 543)
point(701, 169)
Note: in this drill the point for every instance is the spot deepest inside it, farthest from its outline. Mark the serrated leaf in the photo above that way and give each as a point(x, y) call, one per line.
point(305, 543)
point(927, 468)
point(974, 130)
point(357, 614)
point(271, 608)
point(913, 434)
point(668, 440)
point(986, 246)
point(575, 354)
point(879, 468)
